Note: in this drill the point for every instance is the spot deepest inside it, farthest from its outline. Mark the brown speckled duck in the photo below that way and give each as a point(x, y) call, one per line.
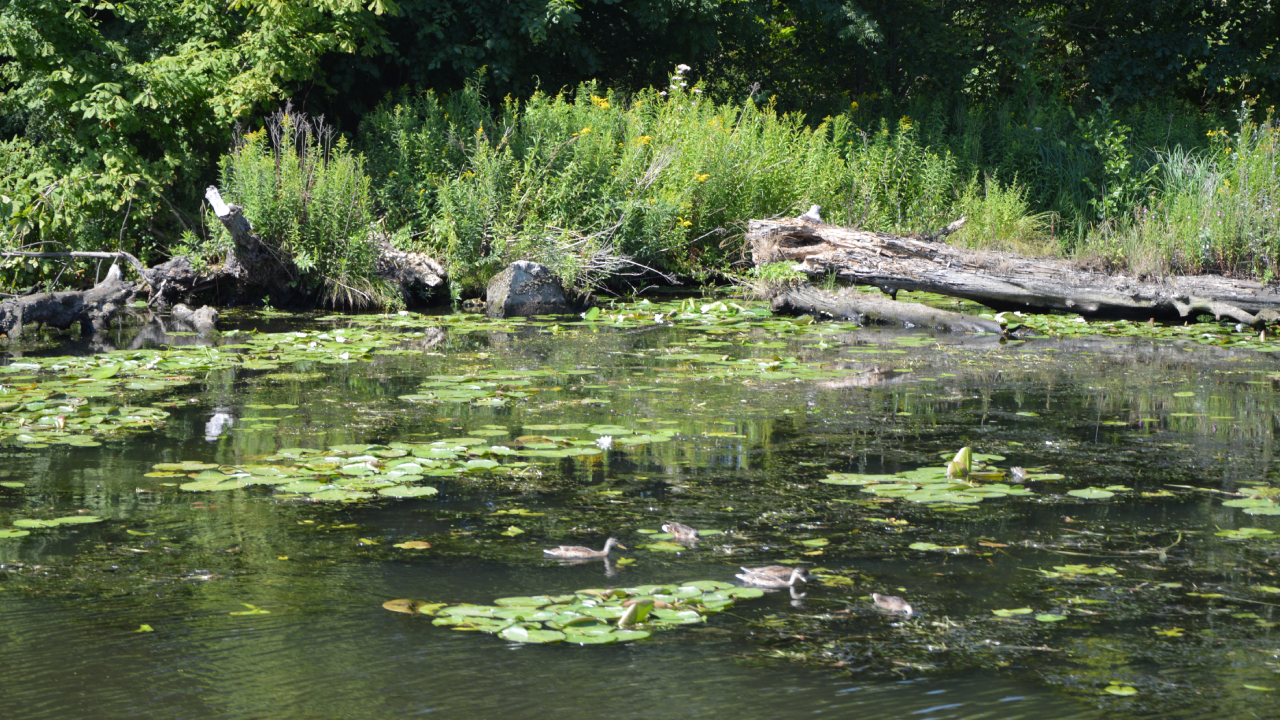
point(773, 576)
point(892, 603)
point(578, 551)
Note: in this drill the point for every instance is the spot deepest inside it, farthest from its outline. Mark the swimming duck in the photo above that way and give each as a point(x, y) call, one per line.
point(683, 533)
point(578, 551)
point(892, 603)
point(773, 576)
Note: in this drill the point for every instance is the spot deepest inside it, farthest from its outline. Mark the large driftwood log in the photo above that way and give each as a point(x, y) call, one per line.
point(91, 308)
point(804, 299)
point(1003, 281)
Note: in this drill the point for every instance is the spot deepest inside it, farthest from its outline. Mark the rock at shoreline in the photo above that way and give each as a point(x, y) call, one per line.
point(203, 320)
point(526, 288)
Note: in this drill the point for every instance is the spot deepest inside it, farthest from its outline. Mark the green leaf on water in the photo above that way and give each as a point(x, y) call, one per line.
point(75, 520)
point(144, 628)
point(4, 534)
point(1091, 493)
point(253, 610)
point(1244, 533)
point(1050, 618)
point(1004, 613)
point(517, 633)
point(512, 531)
point(31, 523)
point(1121, 690)
point(408, 491)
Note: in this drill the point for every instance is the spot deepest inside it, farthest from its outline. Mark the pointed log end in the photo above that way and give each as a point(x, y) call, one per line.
point(220, 208)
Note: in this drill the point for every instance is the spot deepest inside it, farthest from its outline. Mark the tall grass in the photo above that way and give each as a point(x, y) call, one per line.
point(309, 198)
point(1216, 210)
point(600, 186)
point(594, 183)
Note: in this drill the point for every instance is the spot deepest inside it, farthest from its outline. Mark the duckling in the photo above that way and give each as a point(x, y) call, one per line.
point(682, 533)
point(892, 603)
point(578, 551)
point(773, 576)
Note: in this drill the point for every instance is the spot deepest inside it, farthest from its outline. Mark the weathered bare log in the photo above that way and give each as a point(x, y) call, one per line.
point(1003, 281)
point(91, 308)
point(804, 299)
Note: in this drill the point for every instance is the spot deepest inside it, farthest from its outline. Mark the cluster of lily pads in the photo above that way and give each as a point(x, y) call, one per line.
point(972, 482)
point(24, 526)
point(587, 617)
point(353, 472)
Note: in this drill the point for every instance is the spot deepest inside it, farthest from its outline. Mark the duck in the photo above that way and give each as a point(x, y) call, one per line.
point(892, 603)
point(773, 576)
point(578, 551)
point(682, 533)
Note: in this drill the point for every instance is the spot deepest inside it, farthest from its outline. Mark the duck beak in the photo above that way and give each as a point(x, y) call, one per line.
point(624, 547)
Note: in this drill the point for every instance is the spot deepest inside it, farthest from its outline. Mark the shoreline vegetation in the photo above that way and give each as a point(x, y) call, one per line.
point(618, 188)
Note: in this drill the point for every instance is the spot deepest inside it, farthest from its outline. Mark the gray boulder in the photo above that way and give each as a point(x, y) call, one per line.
point(203, 320)
point(526, 288)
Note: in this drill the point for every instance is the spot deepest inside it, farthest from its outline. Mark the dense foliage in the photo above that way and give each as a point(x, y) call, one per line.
point(1056, 123)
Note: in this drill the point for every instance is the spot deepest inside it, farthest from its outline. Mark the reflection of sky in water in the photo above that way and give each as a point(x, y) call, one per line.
point(219, 423)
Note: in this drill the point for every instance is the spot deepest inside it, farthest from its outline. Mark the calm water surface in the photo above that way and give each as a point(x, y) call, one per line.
point(746, 458)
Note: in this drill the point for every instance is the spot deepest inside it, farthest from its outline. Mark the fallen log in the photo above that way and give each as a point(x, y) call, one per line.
point(91, 309)
point(1003, 281)
point(804, 299)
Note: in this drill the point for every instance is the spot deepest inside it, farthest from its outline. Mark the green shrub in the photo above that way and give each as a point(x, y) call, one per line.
point(600, 185)
point(1216, 210)
point(307, 195)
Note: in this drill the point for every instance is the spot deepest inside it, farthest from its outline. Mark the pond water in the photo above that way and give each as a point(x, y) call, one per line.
point(212, 532)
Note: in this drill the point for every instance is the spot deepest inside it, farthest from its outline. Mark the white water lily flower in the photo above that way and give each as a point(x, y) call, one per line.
point(403, 313)
point(657, 318)
point(345, 356)
point(605, 442)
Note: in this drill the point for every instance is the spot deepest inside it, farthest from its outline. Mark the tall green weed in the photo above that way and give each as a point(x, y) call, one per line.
point(308, 197)
point(1217, 210)
point(596, 184)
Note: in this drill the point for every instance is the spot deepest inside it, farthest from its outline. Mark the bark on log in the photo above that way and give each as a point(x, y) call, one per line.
point(91, 308)
point(1003, 281)
point(804, 299)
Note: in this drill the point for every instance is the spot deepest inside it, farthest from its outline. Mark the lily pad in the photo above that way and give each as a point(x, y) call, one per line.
point(517, 633)
point(407, 491)
point(1091, 493)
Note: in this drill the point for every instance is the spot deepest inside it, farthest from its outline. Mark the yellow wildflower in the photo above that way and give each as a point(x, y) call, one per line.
point(644, 139)
point(904, 122)
point(600, 102)
point(701, 178)
point(853, 107)
point(585, 130)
